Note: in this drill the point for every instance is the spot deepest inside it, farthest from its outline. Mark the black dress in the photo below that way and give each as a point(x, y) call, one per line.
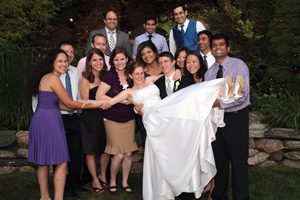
point(92, 129)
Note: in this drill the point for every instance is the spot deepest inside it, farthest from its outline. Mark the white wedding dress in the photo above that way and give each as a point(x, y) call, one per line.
point(180, 128)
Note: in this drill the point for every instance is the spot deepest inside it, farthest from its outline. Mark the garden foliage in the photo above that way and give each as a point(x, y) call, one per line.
point(16, 62)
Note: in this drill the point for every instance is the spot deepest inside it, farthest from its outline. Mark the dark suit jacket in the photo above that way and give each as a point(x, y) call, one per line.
point(122, 40)
point(160, 83)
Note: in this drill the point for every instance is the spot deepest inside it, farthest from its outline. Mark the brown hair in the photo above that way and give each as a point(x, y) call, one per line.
point(88, 73)
point(143, 45)
point(113, 54)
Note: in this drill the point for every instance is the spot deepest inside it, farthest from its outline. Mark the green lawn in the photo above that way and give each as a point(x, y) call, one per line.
point(276, 183)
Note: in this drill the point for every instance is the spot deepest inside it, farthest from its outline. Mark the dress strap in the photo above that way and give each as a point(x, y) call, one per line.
point(42, 80)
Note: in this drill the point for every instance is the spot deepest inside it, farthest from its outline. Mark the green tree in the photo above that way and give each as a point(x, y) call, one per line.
point(284, 49)
point(28, 19)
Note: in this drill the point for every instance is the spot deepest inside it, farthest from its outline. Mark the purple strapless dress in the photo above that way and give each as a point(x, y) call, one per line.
point(47, 138)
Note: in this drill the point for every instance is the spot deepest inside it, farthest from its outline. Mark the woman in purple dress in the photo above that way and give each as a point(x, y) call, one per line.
point(47, 139)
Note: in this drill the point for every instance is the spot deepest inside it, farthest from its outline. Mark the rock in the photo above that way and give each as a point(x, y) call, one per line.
point(22, 153)
point(7, 154)
point(283, 133)
point(291, 144)
point(137, 168)
point(256, 116)
point(293, 155)
point(291, 163)
point(7, 138)
point(251, 143)
point(257, 133)
point(258, 158)
point(276, 156)
point(269, 145)
point(27, 169)
point(253, 152)
point(23, 139)
point(267, 163)
point(136, 158)
point(7, 169)
point(257, 126)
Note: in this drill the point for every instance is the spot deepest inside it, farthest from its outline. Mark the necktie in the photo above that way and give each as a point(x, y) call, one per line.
point(205, 61)
point(150, 36)
point(169, 87)
point(220, 72)
point(182, 31)
point(112, 42)
point(69, 88)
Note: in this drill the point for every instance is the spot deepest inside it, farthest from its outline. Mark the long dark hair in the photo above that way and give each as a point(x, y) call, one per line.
point(113, 54)
point(143, 45)
point(203, 68)
point(180, 49)
point(88, 73)
point(42, 68)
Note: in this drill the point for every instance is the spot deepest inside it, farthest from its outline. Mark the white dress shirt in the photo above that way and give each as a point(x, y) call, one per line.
point(108, 36)
point(172, 44)
point(75, 78)
point(209, 58)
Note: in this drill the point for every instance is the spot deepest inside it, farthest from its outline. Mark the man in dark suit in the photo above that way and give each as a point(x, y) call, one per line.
point(165, 83)
point(114, 37)
point(167, 86)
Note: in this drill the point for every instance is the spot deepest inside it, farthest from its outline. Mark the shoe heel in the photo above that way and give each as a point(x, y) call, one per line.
point(241, 83)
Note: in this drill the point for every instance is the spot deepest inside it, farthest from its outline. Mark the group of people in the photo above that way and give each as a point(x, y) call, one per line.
point(93, 110)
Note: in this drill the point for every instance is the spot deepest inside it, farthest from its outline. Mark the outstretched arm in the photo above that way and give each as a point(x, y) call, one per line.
point(153, 78)
point(125, 94)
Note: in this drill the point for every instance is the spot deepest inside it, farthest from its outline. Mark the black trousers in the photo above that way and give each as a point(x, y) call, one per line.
point(139, 122)
point(73, 134)
point(186, 196)
point(232, 145)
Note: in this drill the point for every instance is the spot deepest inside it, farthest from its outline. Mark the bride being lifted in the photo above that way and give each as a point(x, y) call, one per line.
point(180, 128)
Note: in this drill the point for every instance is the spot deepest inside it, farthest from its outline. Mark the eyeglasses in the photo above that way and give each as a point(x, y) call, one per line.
point(180, 13)
point(112, 19)
point(61, 61)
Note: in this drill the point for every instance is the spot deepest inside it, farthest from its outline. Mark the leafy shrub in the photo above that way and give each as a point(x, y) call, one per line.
point(16, 62)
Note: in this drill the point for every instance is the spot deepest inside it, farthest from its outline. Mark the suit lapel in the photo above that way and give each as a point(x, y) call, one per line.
point(162, 87)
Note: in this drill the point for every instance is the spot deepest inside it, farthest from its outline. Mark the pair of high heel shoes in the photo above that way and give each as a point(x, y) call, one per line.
point(230, 94)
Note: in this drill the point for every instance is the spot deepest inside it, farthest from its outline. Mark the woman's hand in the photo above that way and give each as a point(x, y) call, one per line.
point(177, 75)
point(125, 102)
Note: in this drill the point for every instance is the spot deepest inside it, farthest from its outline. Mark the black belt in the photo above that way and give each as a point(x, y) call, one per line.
point(72, 116)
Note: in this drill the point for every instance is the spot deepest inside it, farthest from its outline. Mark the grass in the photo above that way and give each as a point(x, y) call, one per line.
point(275, 183)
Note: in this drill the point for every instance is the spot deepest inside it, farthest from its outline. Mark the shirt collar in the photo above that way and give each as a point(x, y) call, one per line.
point(107, 31)
point(225, 62)
point(207, 55)
point(153, 34)
point(170, 77)
point(186, 23)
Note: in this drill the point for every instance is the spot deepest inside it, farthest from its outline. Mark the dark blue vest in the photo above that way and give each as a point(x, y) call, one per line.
point(189, 38)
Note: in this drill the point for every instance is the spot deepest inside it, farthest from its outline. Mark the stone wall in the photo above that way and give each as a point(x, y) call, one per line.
point(267, 147)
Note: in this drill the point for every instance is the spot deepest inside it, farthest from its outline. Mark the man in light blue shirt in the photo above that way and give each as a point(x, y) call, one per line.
point(159, 40)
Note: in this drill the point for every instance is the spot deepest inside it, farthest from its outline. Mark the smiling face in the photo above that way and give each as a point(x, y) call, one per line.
point(120, 62)
point(203, 43)
point(192, 64)
point(148, 55)
point(180, 15)
point(166, 65)
point(150, 26)
point(138, 76)
point(111, 21)
point(96, 62)
point(180, 59)
point(60, 64)
point(99, 43)
point(69, 51)
point(219, 49)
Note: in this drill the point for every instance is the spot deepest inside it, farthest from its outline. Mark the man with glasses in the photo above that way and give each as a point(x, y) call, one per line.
point(114, 37)
point(185, 32)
